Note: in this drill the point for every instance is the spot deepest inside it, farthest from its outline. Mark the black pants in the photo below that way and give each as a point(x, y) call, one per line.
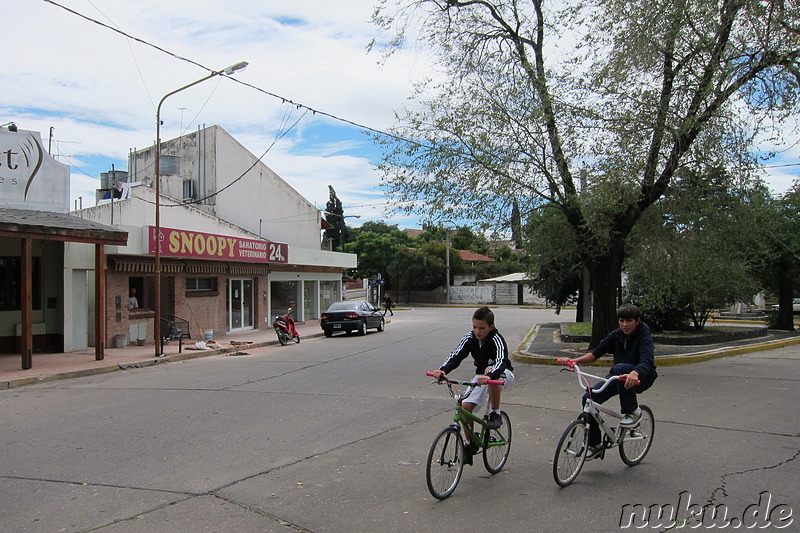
point(627, 398)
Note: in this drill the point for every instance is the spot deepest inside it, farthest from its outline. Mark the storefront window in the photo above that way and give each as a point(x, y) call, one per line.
point(329, 292)
point(201, 284)
point(309, 300)
point(284, 295)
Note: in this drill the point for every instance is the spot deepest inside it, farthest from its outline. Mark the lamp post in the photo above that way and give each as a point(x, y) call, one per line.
point(447, 255)
point(341, 233)
point(157, 320)
point(447, 259)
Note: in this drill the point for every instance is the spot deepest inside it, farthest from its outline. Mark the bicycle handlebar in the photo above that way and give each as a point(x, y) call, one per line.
point(572, 366)
point(445, 379)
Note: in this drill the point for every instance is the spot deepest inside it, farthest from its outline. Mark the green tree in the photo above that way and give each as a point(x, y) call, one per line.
point(553, 261)
point(779, 268)
point(694, 251)
point(334, 216)
point(376, 253)
point(416, 270)
point(373, 226)
point(637, 89)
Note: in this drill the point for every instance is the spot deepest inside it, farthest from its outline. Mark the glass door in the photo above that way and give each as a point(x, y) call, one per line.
point(239, 304)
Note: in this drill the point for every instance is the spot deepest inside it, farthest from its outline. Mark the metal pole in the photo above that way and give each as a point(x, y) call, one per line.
point(447, 255)
point(157, 231)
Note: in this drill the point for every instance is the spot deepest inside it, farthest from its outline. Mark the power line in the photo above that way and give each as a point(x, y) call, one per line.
point(254, 87)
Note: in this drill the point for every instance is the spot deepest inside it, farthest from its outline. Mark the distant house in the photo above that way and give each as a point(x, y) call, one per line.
point(471, 257)
point(511, 289)
point(413, 233)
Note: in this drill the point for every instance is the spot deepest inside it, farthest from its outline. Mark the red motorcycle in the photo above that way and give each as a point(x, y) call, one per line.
point(284, 328)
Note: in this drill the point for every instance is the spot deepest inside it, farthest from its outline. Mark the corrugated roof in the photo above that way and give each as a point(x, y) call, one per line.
point(508, 278)
point(47, 225)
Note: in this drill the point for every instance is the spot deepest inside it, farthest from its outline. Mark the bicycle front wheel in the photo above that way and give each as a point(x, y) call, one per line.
point(571, 453)
point(636, 441)
point(497, 446)
point(445, 463)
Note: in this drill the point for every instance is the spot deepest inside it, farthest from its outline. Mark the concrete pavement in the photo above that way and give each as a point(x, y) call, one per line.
point(541, 346)
point(56, 366)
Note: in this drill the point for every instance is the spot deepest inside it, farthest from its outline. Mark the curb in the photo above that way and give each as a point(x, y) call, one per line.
point(144, 363)
point(522, 355)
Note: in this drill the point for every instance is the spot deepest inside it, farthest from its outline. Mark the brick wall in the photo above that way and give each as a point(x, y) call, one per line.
point(202, 311)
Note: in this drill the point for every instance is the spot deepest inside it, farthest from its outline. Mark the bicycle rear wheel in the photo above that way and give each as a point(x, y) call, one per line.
point(571, 453)
point(497, 446)
point(445, 463)
point(636, 441)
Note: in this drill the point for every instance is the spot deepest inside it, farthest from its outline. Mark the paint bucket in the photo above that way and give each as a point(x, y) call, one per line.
point(121, 341)
point(208, 334)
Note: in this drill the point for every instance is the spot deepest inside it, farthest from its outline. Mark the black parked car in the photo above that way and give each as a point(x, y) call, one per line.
point(351, 315)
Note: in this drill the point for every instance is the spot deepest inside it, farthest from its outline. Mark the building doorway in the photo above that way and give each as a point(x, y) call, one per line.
point(239, 304)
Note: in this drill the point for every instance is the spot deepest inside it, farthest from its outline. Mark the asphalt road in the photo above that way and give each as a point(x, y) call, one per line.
point(331, 435)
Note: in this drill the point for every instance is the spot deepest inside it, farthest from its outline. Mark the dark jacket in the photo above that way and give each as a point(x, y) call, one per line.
point(493, 353)
point(636, 350)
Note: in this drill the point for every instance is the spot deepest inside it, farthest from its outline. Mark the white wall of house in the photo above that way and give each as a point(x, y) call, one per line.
point(230, 183)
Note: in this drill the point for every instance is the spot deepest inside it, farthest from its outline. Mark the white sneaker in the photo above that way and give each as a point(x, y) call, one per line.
point(631, 419)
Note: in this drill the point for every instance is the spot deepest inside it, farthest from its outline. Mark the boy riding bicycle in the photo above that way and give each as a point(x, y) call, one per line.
point(490, 353)
point(632, 347)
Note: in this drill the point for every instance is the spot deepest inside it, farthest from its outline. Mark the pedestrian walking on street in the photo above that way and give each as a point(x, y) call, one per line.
point(387, 304)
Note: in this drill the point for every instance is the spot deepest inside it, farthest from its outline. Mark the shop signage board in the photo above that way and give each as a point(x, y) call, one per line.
point(198, 245)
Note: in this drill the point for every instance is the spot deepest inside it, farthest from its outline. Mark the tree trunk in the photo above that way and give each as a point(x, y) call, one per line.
point(604, 273)
point(785, 295)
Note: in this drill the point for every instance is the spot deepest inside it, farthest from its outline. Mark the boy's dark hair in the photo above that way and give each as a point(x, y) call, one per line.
point(485, 314)
point(629, 311)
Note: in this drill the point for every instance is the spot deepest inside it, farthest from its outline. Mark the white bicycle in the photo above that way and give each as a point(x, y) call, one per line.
point(634, 442)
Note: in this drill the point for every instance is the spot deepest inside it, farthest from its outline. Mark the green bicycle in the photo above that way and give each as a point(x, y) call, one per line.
point(446, 457)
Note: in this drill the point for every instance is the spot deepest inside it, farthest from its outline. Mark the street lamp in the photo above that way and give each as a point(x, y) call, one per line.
point(157, 321)
point(447, 258)
point(341, 233)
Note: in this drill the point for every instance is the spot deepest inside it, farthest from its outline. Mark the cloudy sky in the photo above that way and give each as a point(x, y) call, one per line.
point(99, 89)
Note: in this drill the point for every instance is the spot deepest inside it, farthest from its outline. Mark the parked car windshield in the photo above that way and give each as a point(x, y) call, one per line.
point(343, 306)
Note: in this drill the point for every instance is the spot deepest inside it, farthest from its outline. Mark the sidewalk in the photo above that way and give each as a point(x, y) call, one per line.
point(56, 366)
point(543, 345)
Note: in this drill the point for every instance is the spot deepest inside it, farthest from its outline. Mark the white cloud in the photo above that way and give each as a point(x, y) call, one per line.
point(99, 90)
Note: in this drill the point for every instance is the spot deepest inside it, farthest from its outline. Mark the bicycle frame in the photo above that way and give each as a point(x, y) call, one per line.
point(462, 417)
point(448, 455)
point(594, 409)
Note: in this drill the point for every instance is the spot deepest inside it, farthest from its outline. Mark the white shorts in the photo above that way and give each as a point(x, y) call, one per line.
point(478, 394)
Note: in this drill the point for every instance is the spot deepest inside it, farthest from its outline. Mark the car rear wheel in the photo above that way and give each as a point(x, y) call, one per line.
point(362, 330)
point(328, 332)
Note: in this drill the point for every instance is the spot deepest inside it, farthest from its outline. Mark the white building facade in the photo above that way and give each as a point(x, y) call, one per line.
point(238, 244)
